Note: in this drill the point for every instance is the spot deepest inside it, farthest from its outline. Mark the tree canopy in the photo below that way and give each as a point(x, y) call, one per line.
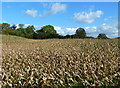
point(47, 31)
point(80, 33)
point(44, 32)
point(4, 26)
point(102, 36)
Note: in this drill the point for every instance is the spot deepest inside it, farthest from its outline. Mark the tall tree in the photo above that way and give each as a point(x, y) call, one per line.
point(4, 26)
point(80, 33)
point(20, 32)
point(47, 31)
point(29, 31)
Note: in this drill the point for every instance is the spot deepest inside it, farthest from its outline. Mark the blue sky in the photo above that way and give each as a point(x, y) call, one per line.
point(66, 17)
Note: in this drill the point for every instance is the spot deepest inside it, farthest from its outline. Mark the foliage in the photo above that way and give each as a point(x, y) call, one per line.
point(4, 26)
point(29, 32)
point(45, 32)
point(49, 29)
point(90, 37)
point(102, 36)
point(20, 32)
point(9, 31)
point(21, 25)
point(23, 32)
point(80, 33)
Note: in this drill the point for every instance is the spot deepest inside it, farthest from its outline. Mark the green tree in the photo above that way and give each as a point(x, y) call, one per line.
point(68, 36)
point(47, 31)
point(8, 31)
point(102, 36)
point(29, 31)
point(4, 26)
point(80, 33)
point(20, 32)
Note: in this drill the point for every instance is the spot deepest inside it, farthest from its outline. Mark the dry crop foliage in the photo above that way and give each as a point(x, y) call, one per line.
point(59, 62)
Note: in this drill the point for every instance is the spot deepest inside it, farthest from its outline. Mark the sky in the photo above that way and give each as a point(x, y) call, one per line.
point(66, 17)
point(60, 0)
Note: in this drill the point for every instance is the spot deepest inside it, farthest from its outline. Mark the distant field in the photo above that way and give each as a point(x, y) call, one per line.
point(59, 62)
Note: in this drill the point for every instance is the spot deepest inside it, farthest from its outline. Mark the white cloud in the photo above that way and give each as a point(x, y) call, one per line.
point(33, 13)
point(26, 25)
point(55, 8)
point(17, 25)
point(87, 17)
point(91, 29)
point(65, 31)
point(37, 27)
point(111, 30)
point(59, 30)
point(71, 30)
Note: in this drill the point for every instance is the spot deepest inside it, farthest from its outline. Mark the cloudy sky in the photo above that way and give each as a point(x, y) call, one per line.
point(66, 17)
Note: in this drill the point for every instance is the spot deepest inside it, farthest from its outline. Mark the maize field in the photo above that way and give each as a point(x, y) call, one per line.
point(59, 63)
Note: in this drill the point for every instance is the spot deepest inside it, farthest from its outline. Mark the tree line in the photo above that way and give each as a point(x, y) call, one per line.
point(44, 32)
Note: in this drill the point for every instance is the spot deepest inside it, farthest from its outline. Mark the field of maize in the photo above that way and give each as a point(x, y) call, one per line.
point(56, 63)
